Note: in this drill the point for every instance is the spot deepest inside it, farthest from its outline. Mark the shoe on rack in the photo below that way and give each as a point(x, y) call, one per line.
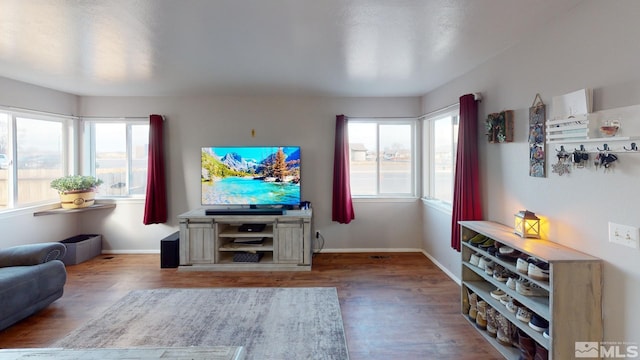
point(545, 334)
point(497, 294)
point(503, 334)
point(481, 318)
point(477, 240)
point(511, 257)
point(486, 244)
point(505, 300)
point(474, 259)
point(505, 250)
point(513, 306)
point(522, 264)
point(511, 282)
point(473, 305)
point(527, 346)
point(523, 314)
point(483, 262)
point(492, 250)
point(492, 326)
point(528, 288)
point(500, 273)
point(538, 324)
point(538, 270)
point(489, 269)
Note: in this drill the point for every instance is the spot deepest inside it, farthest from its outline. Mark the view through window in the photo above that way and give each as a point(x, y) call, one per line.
point(441, 139)
point(382, 158)
point(32, 153)
point(120, 157)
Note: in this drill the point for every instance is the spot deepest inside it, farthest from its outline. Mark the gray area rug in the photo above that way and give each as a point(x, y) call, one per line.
point(271, 323)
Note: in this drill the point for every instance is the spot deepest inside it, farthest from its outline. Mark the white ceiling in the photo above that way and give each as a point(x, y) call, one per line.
point(314, 47)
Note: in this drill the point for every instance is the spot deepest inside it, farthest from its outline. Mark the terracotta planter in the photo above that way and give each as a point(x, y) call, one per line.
point(77, 199)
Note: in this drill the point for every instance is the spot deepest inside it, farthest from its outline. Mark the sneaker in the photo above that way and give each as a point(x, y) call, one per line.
point(489, 269)
point(492, 251)
point(513, 306)
point(474, 260)
point(500, 273)
point(511, 257)
point(538, 324)
point(538, 270)
point(505, 300)
point(527, 288)
point(522, 264)
point(483, 262)
point(523, 314)
point(497, 294)
point(545, 334)
point(511, 283)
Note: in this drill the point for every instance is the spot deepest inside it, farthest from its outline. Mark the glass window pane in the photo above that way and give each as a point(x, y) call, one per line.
point(4, 161)
point(40, 158)
point(396, 162)
point(111, 158)
point(363, 158)
point(443, 160)
point(139, 159)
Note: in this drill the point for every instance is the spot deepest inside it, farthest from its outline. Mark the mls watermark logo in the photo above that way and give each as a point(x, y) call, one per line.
point(607, 349)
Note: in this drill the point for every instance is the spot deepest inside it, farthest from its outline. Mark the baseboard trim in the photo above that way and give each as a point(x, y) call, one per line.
point(129, 252)
point(444, 269)
point(369, 250)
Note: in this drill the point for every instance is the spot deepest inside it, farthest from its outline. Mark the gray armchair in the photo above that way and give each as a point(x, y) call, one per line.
point(31, 277)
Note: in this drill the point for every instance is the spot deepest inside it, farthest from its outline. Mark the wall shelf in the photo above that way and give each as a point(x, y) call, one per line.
point(59, 211)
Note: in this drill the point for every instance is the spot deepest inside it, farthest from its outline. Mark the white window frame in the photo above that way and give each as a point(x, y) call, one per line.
point(69, 131)
point(88, 145)
point(412, 195)
point(428, 155)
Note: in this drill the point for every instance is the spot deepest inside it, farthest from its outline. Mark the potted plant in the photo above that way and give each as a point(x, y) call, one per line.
point(76, 191)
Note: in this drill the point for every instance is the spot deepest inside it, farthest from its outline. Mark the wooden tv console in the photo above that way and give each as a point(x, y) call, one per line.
point(207, 241)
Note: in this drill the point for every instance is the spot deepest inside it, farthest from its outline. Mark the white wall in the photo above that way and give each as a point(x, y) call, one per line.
point(193, 122)
point(595, 46)
point(21, 227)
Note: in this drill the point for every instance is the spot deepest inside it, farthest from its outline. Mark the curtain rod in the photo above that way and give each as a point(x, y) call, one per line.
point(117, 117)
point(477, 97)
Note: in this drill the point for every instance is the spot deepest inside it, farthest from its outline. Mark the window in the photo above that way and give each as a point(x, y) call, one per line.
point(33, 151)
point(440, 136)
point(382, 157)
point(118, 156)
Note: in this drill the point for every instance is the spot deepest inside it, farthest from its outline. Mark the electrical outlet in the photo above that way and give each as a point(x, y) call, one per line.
point(624, 235)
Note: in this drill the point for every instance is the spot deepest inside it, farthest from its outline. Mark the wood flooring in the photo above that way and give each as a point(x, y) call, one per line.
point(394, 305)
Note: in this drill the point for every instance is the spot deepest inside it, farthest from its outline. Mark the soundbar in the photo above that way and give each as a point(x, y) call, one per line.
point(243, 212)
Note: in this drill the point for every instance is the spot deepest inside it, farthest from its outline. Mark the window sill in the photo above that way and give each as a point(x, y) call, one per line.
point(58, 211)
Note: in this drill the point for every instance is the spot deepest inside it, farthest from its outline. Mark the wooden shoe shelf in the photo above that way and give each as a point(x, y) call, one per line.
point(573, 306)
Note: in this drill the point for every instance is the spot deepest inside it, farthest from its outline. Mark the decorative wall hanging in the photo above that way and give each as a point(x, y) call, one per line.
point(536, 138)
point(499, 127)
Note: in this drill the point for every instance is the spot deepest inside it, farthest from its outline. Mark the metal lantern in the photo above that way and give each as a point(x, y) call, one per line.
point(527, 224)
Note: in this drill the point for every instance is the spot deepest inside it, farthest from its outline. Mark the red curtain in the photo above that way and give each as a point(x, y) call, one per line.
point(467, 200)
point(342, 204)
point(155, 206)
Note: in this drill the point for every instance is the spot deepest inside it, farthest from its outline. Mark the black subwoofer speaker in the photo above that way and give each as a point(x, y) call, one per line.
point(170, 251)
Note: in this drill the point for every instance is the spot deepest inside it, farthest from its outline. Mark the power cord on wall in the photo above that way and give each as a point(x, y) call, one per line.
point(319, 240)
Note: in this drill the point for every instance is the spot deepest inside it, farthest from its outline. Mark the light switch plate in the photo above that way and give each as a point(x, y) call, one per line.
point(624, 235)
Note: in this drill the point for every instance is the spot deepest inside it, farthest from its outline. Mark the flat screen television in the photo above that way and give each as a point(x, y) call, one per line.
point(250, 175)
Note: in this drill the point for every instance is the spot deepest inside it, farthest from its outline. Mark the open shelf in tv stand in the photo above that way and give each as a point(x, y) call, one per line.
point(206, 242)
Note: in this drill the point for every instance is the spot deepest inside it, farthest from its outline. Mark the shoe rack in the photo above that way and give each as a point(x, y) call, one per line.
point(572, 297)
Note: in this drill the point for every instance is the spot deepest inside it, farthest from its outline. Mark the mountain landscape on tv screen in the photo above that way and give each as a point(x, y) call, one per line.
point(250, 175)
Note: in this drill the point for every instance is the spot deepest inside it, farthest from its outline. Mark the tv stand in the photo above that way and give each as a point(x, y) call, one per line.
point(207, 241)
